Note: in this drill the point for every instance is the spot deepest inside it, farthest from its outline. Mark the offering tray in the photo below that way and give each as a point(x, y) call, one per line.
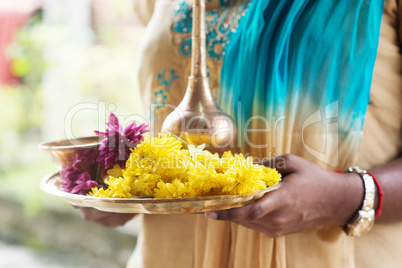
point(149, 205)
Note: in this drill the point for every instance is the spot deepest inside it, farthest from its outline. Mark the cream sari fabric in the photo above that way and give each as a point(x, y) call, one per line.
point(194, 241)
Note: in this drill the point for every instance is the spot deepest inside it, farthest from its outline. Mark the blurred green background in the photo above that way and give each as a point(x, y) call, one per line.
point(64, 66)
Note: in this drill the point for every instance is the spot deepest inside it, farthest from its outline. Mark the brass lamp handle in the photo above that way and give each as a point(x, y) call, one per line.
point(198, 57)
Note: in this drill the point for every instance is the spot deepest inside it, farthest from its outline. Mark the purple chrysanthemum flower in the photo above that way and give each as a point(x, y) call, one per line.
point(115, 147)
point(77, 178)
point(84, 184)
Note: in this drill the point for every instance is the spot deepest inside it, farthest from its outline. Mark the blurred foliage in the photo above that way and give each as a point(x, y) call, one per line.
point(22, 117)
point(26, 52)
point(102, 70)
point(22, 103)
point(20, 124)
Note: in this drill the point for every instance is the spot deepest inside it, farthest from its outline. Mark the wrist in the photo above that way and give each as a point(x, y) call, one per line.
point(352, 197)
point(363, 220)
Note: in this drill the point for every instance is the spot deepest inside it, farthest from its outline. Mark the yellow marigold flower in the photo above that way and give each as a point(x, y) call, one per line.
point(161, 146)
point(145, 184)
point(99, 192)
point(271, 176)
point(199, 155)
point(119, 188)
point(137, 165)
point(225, 162)
point(203, 179)
point(227, 154)
point(176, 189)
point(116, 171)
point(194, 151)
point(159, 167)
point(246, 178)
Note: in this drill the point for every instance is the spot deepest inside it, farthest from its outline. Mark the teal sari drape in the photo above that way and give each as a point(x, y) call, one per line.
point(293, 58)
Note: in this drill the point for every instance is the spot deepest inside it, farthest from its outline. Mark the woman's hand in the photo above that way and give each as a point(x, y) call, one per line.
point(310, 196)
point(105, 219)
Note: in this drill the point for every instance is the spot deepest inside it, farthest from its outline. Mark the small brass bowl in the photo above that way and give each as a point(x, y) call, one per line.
point(63, 152)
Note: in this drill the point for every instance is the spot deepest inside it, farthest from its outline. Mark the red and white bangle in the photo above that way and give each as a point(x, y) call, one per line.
point(363, 220)
point(380, 195)
point(380, 192)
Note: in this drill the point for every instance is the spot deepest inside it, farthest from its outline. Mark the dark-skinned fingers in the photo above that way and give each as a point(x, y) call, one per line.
point(277, 224)
point(263, 215)
point(285, 164)
point(273, 222)
point(251, 212)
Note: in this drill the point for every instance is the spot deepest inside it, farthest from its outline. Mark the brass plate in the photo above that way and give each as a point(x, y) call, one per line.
point(51, 184)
